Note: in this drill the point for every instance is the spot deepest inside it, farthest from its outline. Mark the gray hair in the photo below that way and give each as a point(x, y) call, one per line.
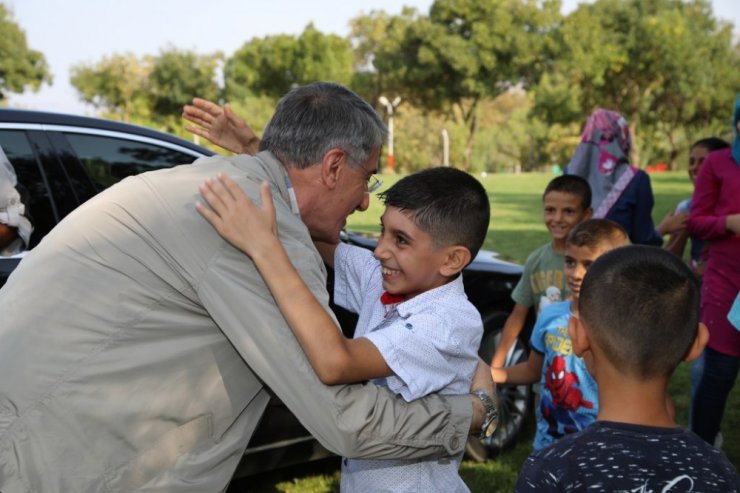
point(312, 119)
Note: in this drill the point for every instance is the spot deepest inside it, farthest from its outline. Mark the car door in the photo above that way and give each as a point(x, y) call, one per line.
point(60, 167)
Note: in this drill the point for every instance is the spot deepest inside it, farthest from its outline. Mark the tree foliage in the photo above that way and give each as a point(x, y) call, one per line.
point(463, 52)
point(21, 68)
point(149, 89)
point(176, 76)
point(272, 65)
point(510, 81)
point(117, 85)
point(664, 64)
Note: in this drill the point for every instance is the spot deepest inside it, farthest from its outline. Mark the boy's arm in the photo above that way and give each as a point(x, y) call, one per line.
point(253, 230)
point(526, 372)
point(512, 328)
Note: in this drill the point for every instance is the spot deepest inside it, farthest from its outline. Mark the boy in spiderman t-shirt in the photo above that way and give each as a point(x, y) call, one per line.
point(569, 397)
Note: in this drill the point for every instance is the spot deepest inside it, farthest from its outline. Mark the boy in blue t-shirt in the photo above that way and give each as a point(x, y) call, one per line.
point(638, 318)
point(569, 398)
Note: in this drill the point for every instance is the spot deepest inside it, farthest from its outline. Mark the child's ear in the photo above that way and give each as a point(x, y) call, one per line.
point(588, 213)
point(578, 336)
point(457, 257)
point(697, 347)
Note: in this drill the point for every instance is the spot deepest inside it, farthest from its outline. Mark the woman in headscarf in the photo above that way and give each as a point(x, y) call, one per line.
point(621, 192)
point(715, 217)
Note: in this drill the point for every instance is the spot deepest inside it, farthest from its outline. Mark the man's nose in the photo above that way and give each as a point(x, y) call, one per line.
point(365, 202)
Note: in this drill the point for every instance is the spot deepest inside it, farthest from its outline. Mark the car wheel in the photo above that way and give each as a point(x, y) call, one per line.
point(514, 400)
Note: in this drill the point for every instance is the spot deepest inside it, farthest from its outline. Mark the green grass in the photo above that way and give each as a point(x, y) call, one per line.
point(516, 230)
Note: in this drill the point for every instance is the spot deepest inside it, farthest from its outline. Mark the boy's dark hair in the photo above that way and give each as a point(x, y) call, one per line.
point(448, 204)
point(598, 233)
point(640, 305)
point(571, 184)
point(711, 144)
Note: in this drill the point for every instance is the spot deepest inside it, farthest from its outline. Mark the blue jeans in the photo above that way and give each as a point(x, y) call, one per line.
point(717, 380)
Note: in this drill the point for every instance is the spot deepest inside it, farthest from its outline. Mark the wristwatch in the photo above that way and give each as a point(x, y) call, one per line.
point(491, 420)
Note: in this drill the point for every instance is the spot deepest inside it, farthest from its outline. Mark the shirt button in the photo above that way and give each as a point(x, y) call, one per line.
point(454, 443)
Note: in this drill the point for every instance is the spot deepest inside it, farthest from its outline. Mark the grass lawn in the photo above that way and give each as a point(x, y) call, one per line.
point(516, 230)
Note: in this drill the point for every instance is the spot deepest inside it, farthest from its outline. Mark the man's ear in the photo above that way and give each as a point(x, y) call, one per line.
point(697, 347)
point(578, 336)
point(457, 257)
point(332, 167)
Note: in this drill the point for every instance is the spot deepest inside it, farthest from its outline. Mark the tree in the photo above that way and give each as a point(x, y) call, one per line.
point(273, 65)
point(117, 85)
point(149, 90)
point(21, 68)
point(175, 77)
point(463, 52)
point(666, 65)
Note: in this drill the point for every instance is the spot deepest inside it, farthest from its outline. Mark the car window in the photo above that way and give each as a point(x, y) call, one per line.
point(31, 184)
point(109, 159)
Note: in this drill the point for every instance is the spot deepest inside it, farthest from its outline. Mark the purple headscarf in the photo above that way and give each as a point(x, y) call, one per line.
point(602, 158)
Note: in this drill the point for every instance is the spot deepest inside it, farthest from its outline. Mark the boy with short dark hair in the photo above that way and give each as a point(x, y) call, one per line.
point(417, 333)
point(568, 400)
point(638, 318)
point(566, 202)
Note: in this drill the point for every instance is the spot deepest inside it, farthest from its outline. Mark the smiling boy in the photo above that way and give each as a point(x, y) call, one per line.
point(417, 332)
point(569, 397)
point(565, 203)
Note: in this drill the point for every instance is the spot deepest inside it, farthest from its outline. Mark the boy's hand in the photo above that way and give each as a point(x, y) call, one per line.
point(498, 374)
point(672, 223)
point(221, 126)
point(250, 228)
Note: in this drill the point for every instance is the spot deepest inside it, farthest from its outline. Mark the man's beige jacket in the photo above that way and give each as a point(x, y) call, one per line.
point(135, 344)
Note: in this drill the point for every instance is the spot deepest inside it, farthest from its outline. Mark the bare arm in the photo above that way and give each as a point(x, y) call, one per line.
point(677, 242)
point(672, 222)
point(253, 229)
point(220, 126)
point(512, 328)
point(527, 372)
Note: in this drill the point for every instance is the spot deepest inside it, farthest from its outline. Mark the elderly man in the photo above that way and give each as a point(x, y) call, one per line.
point(135, 343)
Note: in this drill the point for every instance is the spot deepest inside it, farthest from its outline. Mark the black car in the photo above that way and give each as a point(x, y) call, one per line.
point(64, 160)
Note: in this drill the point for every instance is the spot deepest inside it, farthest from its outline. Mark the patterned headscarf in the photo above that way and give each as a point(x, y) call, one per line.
point(602, 158)
point(736, 142)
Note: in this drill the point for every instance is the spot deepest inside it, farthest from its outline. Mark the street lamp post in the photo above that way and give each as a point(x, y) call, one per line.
point(389, 107)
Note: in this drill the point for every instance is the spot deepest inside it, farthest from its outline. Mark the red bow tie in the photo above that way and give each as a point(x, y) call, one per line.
point(389, 299)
